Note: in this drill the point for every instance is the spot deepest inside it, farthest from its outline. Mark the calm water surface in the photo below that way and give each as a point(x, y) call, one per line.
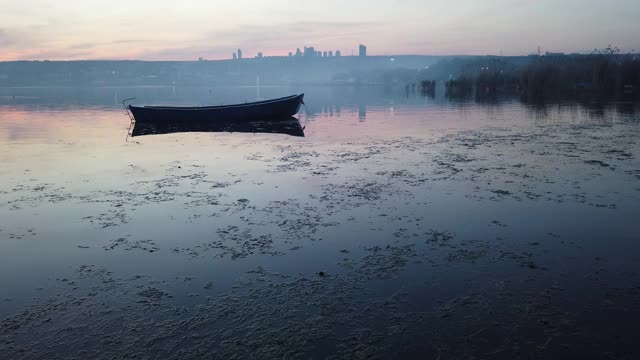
point(399, 226)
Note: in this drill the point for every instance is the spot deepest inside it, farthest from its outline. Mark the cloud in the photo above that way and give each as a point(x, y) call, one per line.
point(82, 46)
point(130, 41)
point(9, 39)
point(4, 38)
point(185, 53)
point(20, 39)
point(62, 54)
point(300, 33)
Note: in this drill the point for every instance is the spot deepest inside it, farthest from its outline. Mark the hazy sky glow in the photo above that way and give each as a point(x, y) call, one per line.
point(213, 29)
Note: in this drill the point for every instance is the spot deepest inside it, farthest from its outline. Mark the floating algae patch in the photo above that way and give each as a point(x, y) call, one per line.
point(382, 262)
point(467, 254)
point(274, 315)
point(267, 315)
point(152, 294)
point(296, 220)
point(358, 192)
point(30, 196)
point(439, 238)
point(124, 243)
point(295, 161)
point(234, 243)
point(598, 163)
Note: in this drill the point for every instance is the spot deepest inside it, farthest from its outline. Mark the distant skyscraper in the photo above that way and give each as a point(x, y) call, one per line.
point(324, 54)
point(290, 54)
point(298, 52)
point(330, 53)
point(235, 56)
point(239, 54)
point(338, 53)
point(309, 51)
point(363, 50)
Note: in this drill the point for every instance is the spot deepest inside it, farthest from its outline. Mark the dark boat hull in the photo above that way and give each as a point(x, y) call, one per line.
point(263, 110)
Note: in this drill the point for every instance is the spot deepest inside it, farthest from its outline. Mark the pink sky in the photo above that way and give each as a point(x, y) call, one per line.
point(170, 30)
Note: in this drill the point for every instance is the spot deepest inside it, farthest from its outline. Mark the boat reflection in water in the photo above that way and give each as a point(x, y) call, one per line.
point(289, 126)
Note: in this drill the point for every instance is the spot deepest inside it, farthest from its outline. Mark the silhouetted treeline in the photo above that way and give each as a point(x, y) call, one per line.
point(602, 76)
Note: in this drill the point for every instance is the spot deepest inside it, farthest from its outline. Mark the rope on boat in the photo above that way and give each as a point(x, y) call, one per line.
point(307, 117)
point(305, 108)
point(133, 120)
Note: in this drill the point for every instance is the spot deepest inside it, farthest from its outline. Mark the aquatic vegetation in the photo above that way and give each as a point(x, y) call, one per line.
point(605, 75)
point(453, 239)
point(460, 87)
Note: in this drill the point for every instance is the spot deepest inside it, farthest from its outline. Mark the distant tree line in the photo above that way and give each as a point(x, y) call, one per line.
point(604, 75)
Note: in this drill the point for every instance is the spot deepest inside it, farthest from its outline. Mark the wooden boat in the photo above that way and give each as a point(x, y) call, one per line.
point(288, 126)
point(261, 110)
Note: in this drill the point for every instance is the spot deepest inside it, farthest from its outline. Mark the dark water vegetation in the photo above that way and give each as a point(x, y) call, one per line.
point(460, 87)
point(606, 77)
point(428, 88)
point(603, 76)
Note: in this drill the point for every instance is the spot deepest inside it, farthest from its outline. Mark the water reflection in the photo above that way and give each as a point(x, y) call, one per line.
point(288, 126)
point(321, 101)
point(362, 112)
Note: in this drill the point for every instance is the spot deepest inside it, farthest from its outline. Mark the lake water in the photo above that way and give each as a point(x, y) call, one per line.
point(399, 226)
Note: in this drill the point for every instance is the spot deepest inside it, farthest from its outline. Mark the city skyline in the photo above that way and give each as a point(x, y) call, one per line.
point(164, 30)
point(308, 52)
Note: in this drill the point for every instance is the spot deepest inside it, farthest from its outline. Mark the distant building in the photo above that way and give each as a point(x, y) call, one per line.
point(290, 54)
point(200, 59)
point(338, 53)
point(325, 54)
point(298, 52)
point(309, 51)
point(362, 51)
point(239, 54)
point(259, 55)
point(235, 56)
point(330, 53)
point(553, 54)
point(319, 53)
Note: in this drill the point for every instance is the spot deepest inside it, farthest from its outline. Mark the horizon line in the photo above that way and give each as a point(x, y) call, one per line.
point(308, 57)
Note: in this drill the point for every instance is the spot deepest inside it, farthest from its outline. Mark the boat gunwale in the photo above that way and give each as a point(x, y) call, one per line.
point(216, 107)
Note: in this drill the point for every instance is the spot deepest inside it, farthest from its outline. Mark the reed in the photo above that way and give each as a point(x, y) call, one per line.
point(605, 77)
point(428, 88)
point(460, 87)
